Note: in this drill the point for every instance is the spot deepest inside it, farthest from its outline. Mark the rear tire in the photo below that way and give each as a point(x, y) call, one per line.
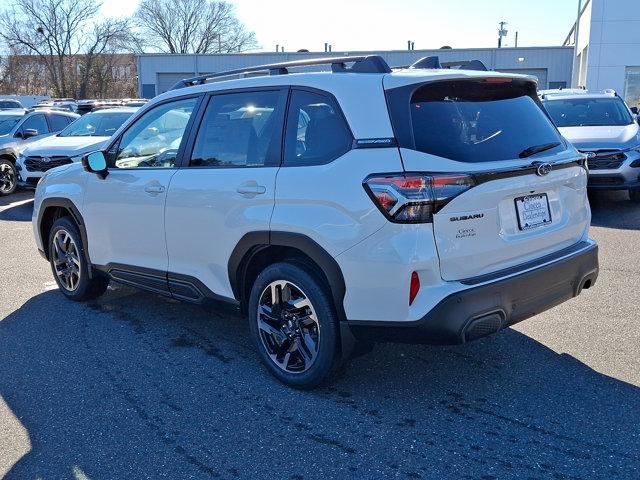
point(634, 195)
point(293, 324)
point(8, 177)
point(69, 263)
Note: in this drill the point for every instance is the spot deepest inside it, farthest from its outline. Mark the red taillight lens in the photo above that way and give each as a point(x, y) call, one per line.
point(414, 198)
point(414, 288)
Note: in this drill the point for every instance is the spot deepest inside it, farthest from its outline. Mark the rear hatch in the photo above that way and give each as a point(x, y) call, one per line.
point(525, 193)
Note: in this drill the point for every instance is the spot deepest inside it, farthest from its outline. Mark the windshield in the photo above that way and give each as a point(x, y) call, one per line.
point(588, 112)
point(471, 121)
point(96, 125)
point(7, 122)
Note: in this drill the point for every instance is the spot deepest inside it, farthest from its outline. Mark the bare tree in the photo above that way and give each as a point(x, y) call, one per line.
point(191, 26)
point(64, 35)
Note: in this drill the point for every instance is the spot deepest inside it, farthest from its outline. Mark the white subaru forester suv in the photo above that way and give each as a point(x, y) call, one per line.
point(334, 208)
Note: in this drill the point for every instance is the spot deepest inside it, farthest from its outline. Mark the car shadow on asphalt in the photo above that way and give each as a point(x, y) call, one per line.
point(21, 211)
point(613, 209)
point(138, 386)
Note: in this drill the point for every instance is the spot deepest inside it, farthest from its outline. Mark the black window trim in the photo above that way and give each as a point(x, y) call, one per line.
point(181, 149)
point(208, 96)
point(286, 120)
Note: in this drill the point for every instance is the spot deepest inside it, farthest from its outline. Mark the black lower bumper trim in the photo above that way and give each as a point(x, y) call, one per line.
point(482, 310)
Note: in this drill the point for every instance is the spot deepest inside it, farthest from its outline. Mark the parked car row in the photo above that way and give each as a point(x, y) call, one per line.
point(84, 106)
point(448, 209)
point(32, 143)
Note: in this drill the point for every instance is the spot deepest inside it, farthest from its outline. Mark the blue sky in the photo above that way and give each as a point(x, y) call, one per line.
point(388, 24)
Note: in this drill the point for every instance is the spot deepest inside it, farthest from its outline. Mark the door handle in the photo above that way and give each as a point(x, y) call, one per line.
point(154, 189)
point(251, 189)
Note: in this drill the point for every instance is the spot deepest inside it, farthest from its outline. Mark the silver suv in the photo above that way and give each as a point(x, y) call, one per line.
point(602, 126)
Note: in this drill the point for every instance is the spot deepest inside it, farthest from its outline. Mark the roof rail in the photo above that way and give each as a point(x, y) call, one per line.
point(361, 64)
point(427, 62)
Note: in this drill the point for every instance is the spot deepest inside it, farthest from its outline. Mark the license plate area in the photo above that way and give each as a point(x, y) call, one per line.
point(533, 211)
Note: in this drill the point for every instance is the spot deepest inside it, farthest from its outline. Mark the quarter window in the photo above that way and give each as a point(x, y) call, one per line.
point(154, 139)
point(316, 130)
point(240, 130)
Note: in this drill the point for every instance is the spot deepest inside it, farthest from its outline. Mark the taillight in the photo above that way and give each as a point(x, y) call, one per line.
point(413, 197)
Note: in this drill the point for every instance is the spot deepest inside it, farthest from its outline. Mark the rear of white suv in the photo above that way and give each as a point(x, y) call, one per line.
point(420, 205)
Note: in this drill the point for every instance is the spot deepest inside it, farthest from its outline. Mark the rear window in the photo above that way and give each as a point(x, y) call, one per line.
point(479, 121)
point(588, 112)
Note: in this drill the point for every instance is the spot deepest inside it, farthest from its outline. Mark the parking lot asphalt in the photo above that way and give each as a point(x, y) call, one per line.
point(136, 386)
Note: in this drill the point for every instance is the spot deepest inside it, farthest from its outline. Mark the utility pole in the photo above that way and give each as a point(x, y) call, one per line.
point(516, 39)
point(502, 32)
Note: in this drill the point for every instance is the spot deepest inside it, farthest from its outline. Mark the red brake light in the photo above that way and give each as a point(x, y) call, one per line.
point(414, 198)
point(414, 288)
point(498, 80)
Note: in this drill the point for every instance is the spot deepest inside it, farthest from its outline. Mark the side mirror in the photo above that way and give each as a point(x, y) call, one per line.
point(96, 162)
point(29, 132)
point(634, 110)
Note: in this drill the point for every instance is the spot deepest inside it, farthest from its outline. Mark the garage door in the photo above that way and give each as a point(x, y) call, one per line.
point(539, 73)
point(168, 80)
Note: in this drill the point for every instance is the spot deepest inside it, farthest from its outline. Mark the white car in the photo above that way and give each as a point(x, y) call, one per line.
point(87, 134)
point(363, 204)
point(603, 127)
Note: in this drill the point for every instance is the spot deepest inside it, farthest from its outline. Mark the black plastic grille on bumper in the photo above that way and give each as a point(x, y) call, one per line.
point(606, 159)
point(43, 164)
point(606, 180)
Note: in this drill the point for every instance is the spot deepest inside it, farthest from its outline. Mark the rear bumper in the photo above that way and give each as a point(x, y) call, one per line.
point(487, 308)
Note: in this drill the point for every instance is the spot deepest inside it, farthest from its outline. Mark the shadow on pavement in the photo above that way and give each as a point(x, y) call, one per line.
point(137, 386)
point(21, 212)
point(613, 209)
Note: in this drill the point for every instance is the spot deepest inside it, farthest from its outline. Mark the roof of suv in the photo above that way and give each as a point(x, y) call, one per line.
point(353, 91)
point(561, 95)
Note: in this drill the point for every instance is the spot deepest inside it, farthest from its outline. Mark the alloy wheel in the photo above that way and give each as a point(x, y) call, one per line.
point(7, 178)
point(288, 326)
point(66, 260)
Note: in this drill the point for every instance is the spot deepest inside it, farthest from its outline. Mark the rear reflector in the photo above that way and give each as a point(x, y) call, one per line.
point(414, 288)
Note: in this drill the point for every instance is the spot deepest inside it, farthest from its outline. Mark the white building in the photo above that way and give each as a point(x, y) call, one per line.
point(608, 50)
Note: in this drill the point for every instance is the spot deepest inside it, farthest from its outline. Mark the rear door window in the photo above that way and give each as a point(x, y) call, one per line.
point(241, 130)
point(477, 121)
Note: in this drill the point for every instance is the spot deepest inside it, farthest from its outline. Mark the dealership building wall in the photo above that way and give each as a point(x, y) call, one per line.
point(551, 65)
point(608, 50)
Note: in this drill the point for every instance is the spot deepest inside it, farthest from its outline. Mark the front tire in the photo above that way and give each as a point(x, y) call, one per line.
point(634, 195)
point(69, 263)
point(8, 177)
point(293, 324)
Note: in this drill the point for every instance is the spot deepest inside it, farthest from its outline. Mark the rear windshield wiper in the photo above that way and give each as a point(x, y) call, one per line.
point(527, 152)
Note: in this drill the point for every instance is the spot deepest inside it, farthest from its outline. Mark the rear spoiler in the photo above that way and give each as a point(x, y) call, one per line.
point(433, 62)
